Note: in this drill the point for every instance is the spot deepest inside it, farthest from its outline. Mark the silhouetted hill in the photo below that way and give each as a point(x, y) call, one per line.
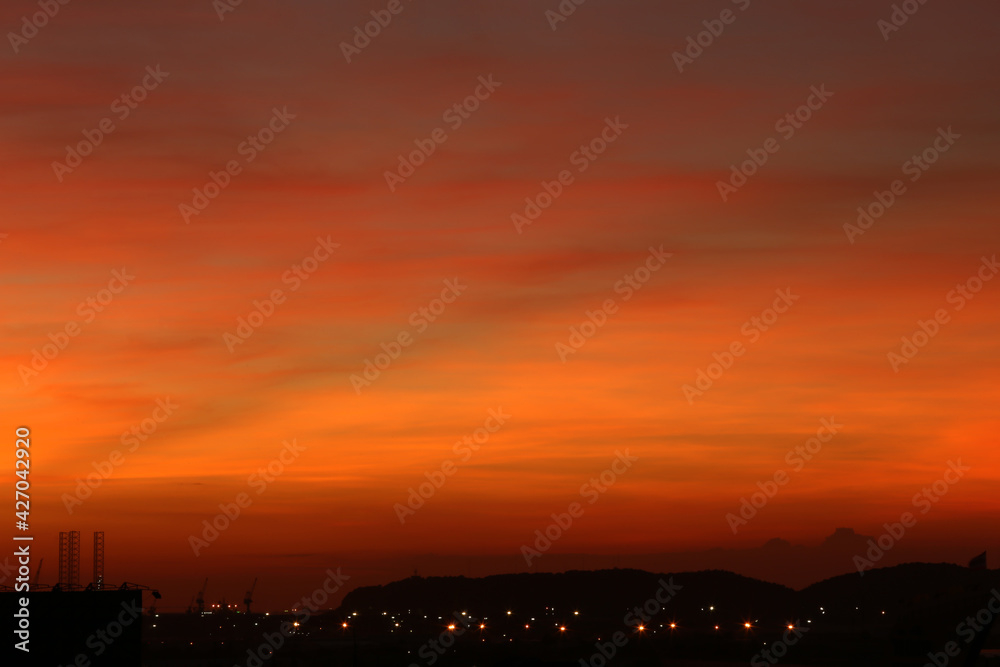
point(895, 589)
point(776, 560)
point(601, 598)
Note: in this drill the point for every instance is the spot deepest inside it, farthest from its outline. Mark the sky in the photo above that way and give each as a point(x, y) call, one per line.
point(589, 324)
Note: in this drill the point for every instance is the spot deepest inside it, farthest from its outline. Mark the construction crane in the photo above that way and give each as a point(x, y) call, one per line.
point(200, 600)
point(249, 596)
point(38, 573)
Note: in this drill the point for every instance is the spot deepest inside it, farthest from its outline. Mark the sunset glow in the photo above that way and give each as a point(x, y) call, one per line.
point(391, 375)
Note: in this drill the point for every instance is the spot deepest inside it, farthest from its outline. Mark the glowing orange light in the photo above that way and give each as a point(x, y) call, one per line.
point(525, 626)
point(451, 627)
point(343, 625)
point(746, 625)
point(716, 627)
point(791, 627)
point(641, 628)
point(673, 625)
point(482, 626)
point(562, 628)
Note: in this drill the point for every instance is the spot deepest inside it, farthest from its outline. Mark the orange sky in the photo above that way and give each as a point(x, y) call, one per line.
point(495, 345)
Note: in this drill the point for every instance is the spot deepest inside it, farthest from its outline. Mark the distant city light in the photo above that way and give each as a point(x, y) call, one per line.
point(451, 627)
point(562, 628)
point(673, 625)
point(746, 625)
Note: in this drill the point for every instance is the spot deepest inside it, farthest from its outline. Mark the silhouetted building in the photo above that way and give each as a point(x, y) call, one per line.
point(104, 626)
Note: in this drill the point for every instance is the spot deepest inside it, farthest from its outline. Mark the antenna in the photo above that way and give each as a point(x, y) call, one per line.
point(98, 559)
point(74, 559)
point(63, 559)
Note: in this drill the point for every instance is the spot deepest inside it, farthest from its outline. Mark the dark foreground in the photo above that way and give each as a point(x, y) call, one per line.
point(909, 615)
